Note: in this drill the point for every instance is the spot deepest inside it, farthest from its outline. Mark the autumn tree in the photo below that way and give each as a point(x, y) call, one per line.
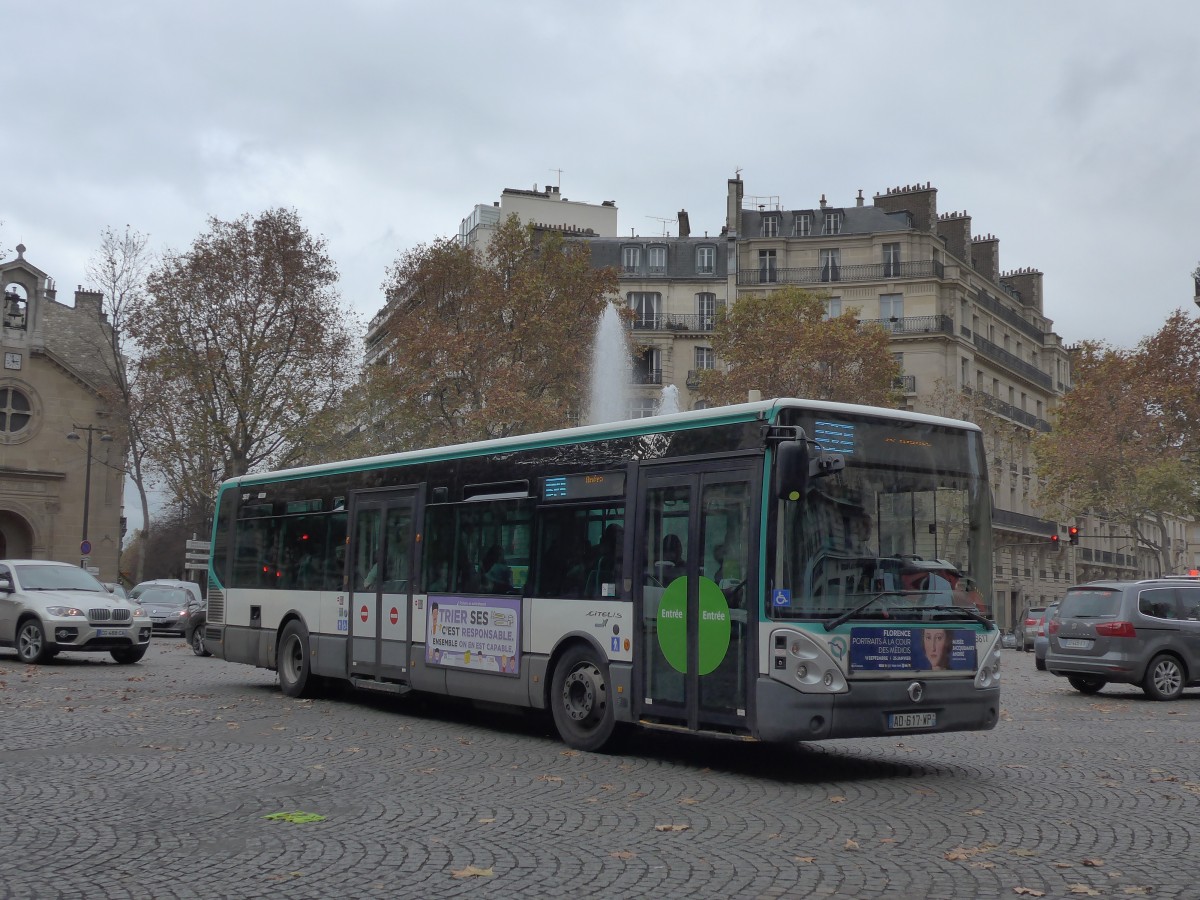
point(1126, 441)
point(782, 344)
point(119, 269)
point(484, 346)
point(244, 343)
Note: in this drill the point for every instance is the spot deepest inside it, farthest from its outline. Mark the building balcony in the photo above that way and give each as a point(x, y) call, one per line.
point(1014, 363)
point(914, 324)
point(927, 268)
point(646, 376)
point(996, 405)
point(675, 322)
point(905, 383)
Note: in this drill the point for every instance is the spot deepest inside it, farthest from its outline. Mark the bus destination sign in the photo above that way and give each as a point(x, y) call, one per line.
point(583, 487)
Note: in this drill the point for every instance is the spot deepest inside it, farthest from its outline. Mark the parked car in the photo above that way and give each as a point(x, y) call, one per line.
point(1130, 632)
point(48, 607)
point(1027, 627)
point(191, 587)
point(1041, 641)
point(194, 632)
point(113, 588)
point(168, 607)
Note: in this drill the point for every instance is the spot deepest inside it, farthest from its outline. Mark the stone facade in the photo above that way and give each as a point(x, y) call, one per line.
point(58, 379)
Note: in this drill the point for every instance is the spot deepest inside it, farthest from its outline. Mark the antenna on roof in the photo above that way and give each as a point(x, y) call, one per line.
point(665, 222)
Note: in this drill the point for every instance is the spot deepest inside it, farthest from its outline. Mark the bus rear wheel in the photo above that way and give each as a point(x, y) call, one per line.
point(580, 700)
point(293, 663)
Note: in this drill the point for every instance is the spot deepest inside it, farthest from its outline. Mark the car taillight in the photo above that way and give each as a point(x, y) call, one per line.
point(1116, 629)
point(1053, 626)
point(1030, 621)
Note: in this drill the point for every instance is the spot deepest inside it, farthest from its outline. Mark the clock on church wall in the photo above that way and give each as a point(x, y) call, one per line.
point(12, 360)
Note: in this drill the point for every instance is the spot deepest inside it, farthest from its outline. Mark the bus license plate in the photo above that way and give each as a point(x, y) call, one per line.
point(111, 632)
point(1075, 643)
point(912, 720)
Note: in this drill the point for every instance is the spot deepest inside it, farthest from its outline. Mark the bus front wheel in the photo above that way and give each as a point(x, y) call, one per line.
point(581, 701)
point(292, 661)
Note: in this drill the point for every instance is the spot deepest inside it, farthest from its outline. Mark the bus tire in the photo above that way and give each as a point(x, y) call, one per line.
point(581, 700)
point(292, 661)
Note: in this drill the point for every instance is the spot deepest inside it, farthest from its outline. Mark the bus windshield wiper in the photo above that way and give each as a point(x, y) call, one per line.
point(862, 607)
point(966, 611)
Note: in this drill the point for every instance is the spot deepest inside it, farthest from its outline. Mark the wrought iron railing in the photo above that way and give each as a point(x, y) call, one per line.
point(676, 322)
point(646, 376)
point(995, 404)
point(1015, 363)
point(1012, 318)
point(914, 324)
point(925, 268)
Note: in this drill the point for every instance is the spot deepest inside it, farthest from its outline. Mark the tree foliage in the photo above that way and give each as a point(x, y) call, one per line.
point(484, 346)
point(244, 342)
point(782, 344)
point(1127, 436)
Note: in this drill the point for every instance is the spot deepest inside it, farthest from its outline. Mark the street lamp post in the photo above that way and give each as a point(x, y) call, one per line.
point(84, 547)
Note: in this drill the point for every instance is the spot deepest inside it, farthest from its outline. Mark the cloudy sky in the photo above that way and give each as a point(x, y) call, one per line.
point(1069, 130)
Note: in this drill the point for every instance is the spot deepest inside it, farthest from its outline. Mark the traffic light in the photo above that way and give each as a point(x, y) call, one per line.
point(1054, 542)
point(1073, 534)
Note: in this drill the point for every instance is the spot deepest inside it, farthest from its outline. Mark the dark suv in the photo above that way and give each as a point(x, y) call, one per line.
point(1131, 632)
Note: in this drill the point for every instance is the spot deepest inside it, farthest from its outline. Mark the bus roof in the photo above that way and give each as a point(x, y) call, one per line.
point(766, 410)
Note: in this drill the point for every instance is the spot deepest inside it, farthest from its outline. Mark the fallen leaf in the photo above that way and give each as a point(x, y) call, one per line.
point(1029, 892)
point(887, 840)
point(672, 827)
point(1093, 862)
point(850, 844)
point(1082, 889)
point(982, 864)
point(622, 854)
point(295, 817)
point(804, 859)
point(1022, 852)
point(1136, 889)
point(688, 801)
point(551, 778)
point(838, 799)
point(473, 872)
point(485, 821)
point(975, 812)
point(564, 752)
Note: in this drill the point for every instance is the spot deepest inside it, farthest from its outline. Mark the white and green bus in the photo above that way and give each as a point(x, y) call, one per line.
point(783, 570)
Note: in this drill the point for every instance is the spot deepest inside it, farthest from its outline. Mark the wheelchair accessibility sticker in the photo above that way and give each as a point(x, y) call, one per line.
point(781, 597)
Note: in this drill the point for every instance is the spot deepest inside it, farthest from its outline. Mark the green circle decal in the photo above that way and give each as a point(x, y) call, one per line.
point(714, 626)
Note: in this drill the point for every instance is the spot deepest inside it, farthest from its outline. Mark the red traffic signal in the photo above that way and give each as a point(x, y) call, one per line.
point(1073, 534)
point(1054, 541)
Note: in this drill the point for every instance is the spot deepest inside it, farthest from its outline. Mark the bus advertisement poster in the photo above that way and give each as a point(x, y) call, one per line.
point(482, 634)
point(903, 649)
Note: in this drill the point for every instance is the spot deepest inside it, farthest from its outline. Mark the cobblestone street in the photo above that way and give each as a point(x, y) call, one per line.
point(156, 780)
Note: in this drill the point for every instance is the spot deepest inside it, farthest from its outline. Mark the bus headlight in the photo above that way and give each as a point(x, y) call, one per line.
point(813, 668)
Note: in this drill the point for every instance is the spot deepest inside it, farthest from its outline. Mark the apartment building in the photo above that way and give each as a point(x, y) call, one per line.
point(972, 339)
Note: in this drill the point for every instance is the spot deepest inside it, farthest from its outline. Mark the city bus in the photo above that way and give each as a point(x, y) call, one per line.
point(780, 570)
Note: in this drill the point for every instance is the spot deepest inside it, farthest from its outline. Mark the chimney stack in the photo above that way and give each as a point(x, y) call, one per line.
point(685, 227)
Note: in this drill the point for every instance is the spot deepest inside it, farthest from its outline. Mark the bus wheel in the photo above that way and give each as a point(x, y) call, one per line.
point(292, 661)
point(580, 700)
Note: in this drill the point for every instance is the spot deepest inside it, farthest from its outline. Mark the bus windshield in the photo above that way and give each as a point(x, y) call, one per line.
point(906, 520)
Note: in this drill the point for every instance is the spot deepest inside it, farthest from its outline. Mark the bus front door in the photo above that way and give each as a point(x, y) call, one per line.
point(696, 555)
point(382, 550)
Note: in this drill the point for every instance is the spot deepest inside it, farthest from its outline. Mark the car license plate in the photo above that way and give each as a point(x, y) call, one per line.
point(912, 720)
point(111, 632)
point(1074, 644)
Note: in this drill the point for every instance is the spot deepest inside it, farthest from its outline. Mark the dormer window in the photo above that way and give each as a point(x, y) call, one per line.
point(833, 223)
point(657, 260)
point(631, 260)
point(770, 226)
point(706, 260)
point(802, 226)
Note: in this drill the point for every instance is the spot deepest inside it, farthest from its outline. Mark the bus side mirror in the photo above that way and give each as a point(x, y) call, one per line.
point(791, 469)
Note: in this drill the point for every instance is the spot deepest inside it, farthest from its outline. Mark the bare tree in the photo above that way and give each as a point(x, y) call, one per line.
point(119, 269)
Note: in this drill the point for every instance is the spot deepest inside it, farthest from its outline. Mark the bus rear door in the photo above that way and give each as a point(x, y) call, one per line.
point(382, 557)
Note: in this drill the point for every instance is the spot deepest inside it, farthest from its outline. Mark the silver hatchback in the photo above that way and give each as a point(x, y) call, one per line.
point(1130, 632)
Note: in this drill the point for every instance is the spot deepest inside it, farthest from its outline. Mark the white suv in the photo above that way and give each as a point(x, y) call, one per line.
point(47, 607)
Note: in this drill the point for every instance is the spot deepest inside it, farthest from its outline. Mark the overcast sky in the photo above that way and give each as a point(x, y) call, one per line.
point(1069, 129)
